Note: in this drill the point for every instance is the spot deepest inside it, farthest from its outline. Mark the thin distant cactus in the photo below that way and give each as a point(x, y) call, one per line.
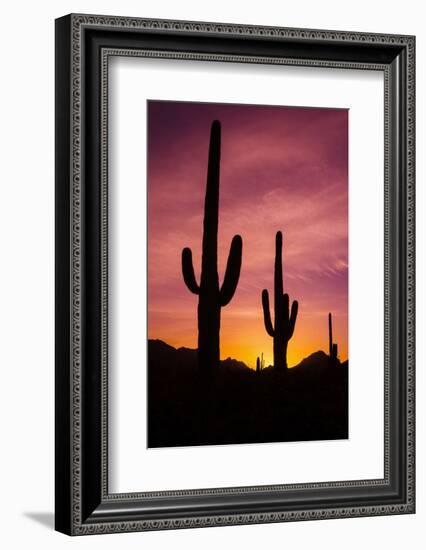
point(260, 364)
point(284, 321)
point(212, 297)
point(332, 348)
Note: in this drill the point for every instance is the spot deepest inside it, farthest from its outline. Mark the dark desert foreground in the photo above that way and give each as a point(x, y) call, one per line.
point(239, 405)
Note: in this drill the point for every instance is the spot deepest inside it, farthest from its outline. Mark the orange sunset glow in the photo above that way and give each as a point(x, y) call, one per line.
point(282, 169)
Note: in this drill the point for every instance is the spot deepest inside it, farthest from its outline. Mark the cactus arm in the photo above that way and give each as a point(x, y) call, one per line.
point(293, 317)
point(232, 272)
point(188, 271)
point(266, 313)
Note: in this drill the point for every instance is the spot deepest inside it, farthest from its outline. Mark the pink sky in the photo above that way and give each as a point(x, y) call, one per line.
point(282, 168)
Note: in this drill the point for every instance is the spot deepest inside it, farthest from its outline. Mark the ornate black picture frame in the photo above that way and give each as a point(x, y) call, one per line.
point(83, 503)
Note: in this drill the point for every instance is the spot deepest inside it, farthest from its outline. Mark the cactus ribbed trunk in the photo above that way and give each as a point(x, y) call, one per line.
point(208, 305)
point(212, 297)
point(208, 334)
point(280, 343)
point(332, 347)
point(280, 353)
point(284, 321)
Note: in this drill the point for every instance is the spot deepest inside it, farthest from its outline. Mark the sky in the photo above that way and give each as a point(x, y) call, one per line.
point(282, 169)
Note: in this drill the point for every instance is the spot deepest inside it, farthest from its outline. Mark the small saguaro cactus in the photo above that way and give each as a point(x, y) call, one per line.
point(284, 321)
point(332, 348)
point(260, 364)
point(212, 297)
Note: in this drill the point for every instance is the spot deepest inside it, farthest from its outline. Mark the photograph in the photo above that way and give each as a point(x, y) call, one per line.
point(247, 263)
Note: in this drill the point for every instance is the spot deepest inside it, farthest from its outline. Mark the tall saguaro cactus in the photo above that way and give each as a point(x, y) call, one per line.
point(332, 348)
point(284, 321)
point(212, 297)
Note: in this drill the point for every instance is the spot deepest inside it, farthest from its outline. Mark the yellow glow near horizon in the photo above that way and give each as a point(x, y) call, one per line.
point(245, 339)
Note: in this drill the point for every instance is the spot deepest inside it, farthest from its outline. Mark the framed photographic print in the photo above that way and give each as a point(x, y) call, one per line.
point(234, 274)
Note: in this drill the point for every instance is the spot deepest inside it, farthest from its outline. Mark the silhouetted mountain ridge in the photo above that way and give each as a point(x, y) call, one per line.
point(165, 356)
point(318, 359)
